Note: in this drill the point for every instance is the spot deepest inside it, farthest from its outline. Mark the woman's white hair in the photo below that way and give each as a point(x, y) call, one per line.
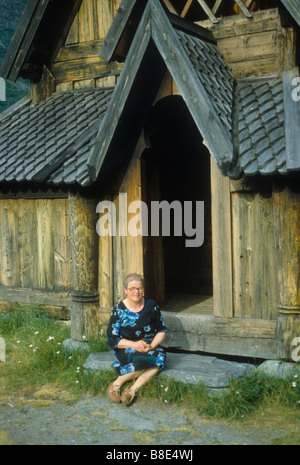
point(133, 277)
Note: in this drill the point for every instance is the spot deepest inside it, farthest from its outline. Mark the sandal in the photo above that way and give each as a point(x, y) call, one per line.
point(128, 395)
point(113, 393)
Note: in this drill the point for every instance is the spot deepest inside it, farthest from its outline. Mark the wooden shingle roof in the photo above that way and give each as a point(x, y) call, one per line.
point(250, 126)
point(50, 141)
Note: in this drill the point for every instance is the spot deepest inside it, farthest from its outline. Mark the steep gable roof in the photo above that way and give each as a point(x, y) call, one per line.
point(200, 72)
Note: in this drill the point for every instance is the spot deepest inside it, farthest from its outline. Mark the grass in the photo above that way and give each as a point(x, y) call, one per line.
point(37, 363)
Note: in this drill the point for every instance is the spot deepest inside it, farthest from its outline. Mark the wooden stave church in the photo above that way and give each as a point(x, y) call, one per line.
point(83, 139)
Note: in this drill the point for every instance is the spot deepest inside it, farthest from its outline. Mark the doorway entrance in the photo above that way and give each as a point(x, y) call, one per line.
point(176, 167)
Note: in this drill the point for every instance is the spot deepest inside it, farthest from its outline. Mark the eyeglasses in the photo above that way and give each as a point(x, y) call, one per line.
point(133, 289)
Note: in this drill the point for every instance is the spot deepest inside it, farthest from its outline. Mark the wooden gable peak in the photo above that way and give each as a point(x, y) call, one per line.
point(158, 40)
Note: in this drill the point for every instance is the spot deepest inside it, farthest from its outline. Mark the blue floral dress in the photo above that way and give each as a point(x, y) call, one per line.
point(136, 326)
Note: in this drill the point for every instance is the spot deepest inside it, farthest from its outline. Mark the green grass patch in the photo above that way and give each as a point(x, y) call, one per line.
point(36, 358)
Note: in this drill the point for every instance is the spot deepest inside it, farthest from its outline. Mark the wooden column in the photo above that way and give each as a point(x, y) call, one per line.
point(286, 209)
point(85, 310)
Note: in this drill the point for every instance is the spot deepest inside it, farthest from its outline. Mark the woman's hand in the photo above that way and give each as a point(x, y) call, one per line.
point(141, 346)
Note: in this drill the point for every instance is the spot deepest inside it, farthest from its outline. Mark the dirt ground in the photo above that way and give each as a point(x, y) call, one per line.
point(46, 417)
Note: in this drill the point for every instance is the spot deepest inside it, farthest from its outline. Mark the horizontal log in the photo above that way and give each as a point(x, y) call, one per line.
point(79, 51)
point(228, 336)
point(35, 296)
point(91, 67)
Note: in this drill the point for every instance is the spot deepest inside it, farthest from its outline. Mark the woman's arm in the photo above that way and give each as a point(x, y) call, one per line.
point(158, 339)
point(140, 346)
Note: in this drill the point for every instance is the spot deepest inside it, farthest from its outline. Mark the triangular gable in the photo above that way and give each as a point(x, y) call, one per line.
point(43, 27)
point(210, 107)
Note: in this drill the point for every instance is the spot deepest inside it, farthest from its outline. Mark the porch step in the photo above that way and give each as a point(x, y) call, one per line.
point(193, 369)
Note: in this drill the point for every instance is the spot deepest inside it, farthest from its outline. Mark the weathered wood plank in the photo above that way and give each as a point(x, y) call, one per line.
point(79, 51)
point(86, 21)
point(286, 210)
point(221, 243)
point(84, 68)
point(208, 11)
point(105, 14)
point(73, 35)
point(232, 26)
point(45, 243)
point(62, 246)
point(9, 263)
point(254, 68)
point(250, 47)
point(254, 267)
point(237, 336)
point(106, 270)
point(12, 295)
point(28, 252)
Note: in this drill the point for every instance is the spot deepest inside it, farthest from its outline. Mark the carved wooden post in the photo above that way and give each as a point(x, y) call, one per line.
point(85, 323)
point(287, 236)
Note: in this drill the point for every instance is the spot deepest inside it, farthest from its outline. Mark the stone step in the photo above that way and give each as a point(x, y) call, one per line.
point(192, 369)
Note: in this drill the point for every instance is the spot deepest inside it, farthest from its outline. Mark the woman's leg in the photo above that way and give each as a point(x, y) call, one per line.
point(113, 390)
point(130, 392)
point(127, 377)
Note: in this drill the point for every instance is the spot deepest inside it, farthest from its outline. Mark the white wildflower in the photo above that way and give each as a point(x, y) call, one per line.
point(36, 332)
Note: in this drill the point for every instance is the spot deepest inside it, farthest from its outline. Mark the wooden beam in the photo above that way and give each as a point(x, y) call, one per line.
point(286, 211)
point(208, 11)
point(85, 308)
point(186, 8)
point(170, 7)
point(244, 9)
point(216, 6)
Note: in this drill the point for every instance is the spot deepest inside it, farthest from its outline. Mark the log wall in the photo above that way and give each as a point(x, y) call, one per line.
point(77, 64)
point(255, 47)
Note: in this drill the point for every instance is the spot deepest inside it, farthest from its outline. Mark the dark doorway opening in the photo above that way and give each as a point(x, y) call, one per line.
point(177, 167)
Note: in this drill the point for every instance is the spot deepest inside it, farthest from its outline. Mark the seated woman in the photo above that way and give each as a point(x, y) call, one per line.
point(135, 331)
